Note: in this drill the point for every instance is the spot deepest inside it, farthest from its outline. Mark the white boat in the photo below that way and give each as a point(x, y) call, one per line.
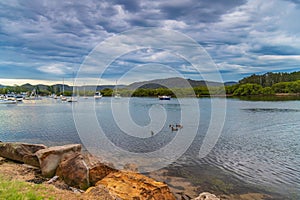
point(6, 101)
point(164, 97)
point(72, 99)
point(97, 95)
point(63, 98)
point(10, 97)
point(19, 97)
point(33, 96)
point(116, 94)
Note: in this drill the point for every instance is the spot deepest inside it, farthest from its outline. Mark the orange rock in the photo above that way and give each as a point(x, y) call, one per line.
point(130, 185)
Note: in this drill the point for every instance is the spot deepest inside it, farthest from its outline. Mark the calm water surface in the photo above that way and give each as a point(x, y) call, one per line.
point(259, 144)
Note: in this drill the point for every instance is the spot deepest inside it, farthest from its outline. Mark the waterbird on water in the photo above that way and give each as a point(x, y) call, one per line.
point(175, 127)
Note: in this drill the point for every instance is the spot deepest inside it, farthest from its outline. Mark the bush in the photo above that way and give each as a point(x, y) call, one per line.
point(248, 89)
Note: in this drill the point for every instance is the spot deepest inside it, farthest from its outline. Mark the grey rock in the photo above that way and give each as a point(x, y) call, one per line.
point(206, 196)
point(50, 158)
point(21, 152)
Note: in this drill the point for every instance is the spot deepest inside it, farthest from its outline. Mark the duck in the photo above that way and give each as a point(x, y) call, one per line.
point(174, 128)
point(179, 126)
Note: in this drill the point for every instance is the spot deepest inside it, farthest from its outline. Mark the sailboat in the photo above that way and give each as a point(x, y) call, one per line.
point(33, 96)
point(97, 95)
point(73, 97)
point(62, 97)
point(8, 99)
point(116, 94)
point(84, 96)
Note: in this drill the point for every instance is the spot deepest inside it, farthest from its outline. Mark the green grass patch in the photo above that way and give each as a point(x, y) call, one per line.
point(18, 190)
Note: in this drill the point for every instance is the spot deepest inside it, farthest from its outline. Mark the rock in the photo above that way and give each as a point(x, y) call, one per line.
point(21, 152)
point(74, 171)
point(53, 179)
point(99, 192)
point(82, 171)
point(129, 185)
point(50, 158)
point(206, 196)
point(182, 196)
point(98, 172)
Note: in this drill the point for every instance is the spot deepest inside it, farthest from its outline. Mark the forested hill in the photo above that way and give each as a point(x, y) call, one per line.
point(270, 78)
point(175, 82)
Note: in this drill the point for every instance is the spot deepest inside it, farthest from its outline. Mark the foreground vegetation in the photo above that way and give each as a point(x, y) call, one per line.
point(13, 189)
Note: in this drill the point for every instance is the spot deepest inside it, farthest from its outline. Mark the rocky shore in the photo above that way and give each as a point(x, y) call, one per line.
point(82, 176)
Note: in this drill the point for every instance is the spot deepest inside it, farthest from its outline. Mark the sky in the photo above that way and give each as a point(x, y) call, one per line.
point(43, 41)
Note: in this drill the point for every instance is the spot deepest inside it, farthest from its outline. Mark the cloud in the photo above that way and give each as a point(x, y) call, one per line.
point(50, 37)
point(58, 69)
point(280, 57)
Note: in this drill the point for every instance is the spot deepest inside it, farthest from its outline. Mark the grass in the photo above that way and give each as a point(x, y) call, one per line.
point(18, 190)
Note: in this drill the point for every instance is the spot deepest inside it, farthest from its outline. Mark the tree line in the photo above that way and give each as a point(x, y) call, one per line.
point(266, 84)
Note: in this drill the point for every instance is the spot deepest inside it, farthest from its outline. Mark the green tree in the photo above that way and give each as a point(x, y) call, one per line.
point(267, 91)
point(248, 89)
point(107, 92)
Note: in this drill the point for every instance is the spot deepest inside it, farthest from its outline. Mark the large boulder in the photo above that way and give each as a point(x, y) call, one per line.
point(21, 152)
point(97, 168)
point(82, 171)
point(98, 172)
point(74, 171)
point(206, 196)
point(50, 158)
point(130, 185)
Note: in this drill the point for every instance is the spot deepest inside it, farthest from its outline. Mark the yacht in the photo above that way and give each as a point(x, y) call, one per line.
point(116, 94)
point(97, 95)
point(6, 101)
point(19, 97)
point(10, 97)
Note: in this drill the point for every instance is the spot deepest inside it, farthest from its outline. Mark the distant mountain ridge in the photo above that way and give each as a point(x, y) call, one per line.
point(175, 82)
point(58, 87)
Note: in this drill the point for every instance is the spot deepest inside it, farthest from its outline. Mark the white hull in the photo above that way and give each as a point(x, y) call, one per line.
point(5, 101)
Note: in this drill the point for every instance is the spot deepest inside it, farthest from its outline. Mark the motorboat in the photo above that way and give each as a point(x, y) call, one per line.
point(164, 97)
point(97, 95)
point(10, 97)
point(19, 97)
point(63, 98)
point(6, 101)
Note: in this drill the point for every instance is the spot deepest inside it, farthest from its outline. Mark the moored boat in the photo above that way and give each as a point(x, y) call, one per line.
point(164, 97)
point(6, 101)
point(19, 97)
point(10, 97)
point(97, 95)
point(72, 99)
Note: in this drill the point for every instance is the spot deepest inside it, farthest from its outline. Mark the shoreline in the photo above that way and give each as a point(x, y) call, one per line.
point(15, 171)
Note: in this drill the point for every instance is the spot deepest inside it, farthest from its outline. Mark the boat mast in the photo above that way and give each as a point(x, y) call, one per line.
point(116, 87)
point(63, 87)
